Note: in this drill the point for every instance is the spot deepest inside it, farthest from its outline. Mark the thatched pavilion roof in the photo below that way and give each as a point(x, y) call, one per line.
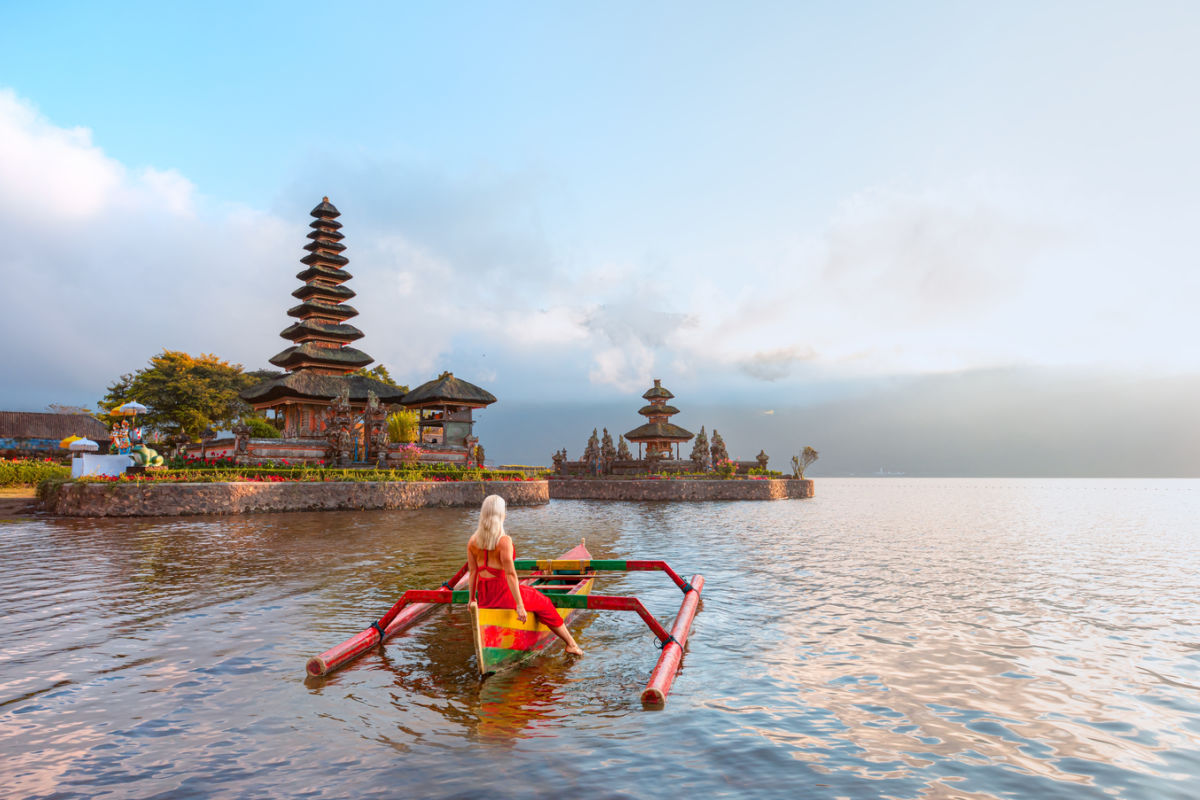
point(449, 389)
point(45, 425)
point(659, 431)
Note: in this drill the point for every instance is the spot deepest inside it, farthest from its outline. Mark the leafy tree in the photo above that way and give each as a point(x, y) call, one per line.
point(185, 394)
point(380, 373)
point(803, 461)
point(261, 428)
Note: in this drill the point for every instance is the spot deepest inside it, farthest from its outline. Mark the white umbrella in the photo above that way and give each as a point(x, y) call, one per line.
point(132, 407)
point(83, 446)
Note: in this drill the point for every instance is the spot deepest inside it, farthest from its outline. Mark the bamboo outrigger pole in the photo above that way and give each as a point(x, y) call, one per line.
point(388, 625)
point(655, 693)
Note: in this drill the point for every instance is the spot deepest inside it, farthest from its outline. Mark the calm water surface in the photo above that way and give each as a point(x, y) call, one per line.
point(890, 638)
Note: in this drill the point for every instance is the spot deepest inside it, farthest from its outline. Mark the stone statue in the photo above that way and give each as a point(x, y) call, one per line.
point(206, 436)
point(179, 441)
point(762, 459)
point(719, 453)
point(623, 449)
point(338, 430)
point(608, 453)
point(375, 428)
point(144, 456)
point(560, 460)
point(241, 438)
point(700, 456)
point(591, 454)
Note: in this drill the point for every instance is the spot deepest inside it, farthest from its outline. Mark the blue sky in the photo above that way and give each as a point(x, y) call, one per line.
point(774, 205)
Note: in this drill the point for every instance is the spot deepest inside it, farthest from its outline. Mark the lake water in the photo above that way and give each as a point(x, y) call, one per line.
point(890, 638)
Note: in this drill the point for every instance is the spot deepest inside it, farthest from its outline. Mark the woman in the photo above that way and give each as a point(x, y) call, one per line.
point(492, 577)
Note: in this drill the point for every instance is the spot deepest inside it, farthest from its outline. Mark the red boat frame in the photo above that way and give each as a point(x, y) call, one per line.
point(416, 604)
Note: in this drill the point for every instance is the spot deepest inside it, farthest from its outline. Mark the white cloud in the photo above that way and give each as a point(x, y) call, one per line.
point(115, 263)
point(50, 174)
point(627, 368)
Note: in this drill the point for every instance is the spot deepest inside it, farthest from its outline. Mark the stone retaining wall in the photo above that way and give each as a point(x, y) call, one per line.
point(177, 499)
point(679, 489)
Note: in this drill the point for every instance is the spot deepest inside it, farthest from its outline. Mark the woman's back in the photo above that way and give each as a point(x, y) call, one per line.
point(485, 559)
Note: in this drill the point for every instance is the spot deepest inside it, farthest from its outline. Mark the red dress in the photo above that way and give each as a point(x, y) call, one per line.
point(491, 591)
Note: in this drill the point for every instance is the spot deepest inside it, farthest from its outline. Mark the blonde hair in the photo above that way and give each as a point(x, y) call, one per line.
point(491, 522)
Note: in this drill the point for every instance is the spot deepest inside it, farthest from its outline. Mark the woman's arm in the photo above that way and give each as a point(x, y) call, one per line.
point(505, 551)
point(472, 573)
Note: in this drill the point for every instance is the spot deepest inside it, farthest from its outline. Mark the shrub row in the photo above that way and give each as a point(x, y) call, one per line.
point(29, 472)
point(311, 474)
point(754, 474)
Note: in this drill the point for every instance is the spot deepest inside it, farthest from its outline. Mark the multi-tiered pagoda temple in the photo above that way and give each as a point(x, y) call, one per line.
point(322, 336)
point(658, 435)
point(320, 358)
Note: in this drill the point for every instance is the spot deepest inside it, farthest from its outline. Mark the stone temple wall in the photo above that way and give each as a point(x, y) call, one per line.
point(182, 499)
point(179, 499)
point(679, 489)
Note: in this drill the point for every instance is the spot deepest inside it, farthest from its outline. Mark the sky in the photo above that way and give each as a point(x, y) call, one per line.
point(900, 233)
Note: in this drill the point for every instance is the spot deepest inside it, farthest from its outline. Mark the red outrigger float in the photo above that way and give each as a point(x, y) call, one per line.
point(567, 582)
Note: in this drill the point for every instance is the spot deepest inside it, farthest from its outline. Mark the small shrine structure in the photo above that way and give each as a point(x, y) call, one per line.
point(658, 441)
point(444, 407)
point(658, 434)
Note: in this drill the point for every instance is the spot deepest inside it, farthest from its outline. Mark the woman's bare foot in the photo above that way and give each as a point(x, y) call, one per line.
point(574, 650)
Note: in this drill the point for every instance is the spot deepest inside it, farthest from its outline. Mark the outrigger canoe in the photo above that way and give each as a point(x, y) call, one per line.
point(502, 641)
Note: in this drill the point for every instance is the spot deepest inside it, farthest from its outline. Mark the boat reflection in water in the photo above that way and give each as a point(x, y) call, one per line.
point(434, 664)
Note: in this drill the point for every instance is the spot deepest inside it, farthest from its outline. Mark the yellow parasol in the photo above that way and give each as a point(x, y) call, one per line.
point(67, 441)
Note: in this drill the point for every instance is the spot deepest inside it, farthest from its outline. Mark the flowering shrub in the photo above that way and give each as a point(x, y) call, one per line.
point(196, 462)
point(410, 454)
point(305, 474)
point(31, 471)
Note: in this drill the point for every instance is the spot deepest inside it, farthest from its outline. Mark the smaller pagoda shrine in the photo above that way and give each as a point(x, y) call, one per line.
point(444, 407)
point(660, 440)
point(659, 436)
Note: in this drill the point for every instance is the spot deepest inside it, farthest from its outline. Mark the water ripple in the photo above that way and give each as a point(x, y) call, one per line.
point(890, 638)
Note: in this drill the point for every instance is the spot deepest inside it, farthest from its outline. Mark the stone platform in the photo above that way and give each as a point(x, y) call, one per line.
point(180, 499)
point(680, 489)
